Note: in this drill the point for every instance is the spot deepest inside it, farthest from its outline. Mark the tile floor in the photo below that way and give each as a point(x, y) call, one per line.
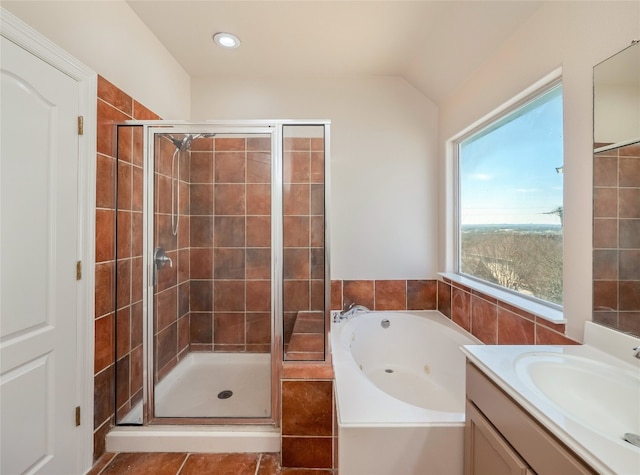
point(195, 464)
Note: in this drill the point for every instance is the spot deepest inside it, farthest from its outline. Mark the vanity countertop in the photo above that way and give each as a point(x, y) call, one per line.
point(593, 429)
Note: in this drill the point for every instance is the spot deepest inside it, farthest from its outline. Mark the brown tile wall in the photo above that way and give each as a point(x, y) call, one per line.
point(230, 244)
point(303, 229)
point(616, 238)
point(128, 281)
point(171, 301)
point(384, 294)
point(490, 320)
point(118, 307)
point(309, 429)
point(495, 322)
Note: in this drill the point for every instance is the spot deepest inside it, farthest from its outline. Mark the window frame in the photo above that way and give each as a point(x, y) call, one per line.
point(548, 310)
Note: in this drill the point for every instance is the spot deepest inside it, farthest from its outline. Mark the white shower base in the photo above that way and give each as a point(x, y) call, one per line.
point(191, 390)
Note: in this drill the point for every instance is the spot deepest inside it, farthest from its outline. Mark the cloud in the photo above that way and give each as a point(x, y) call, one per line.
point(482, 176)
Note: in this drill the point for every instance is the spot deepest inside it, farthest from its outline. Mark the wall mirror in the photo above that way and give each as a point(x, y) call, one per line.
point(616, 191)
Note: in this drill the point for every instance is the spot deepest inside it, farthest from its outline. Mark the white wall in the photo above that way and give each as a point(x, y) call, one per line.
point(110, 38)
point(576, 36)
point(617, 117)
point(383, 163)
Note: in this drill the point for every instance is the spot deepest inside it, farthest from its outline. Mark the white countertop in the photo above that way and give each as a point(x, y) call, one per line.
point(605, 453)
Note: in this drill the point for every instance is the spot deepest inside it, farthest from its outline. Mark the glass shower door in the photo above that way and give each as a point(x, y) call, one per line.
point(212, 326)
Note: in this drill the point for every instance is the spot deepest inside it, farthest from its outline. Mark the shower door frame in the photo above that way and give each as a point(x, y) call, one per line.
point(275, 129)
point(151, 128)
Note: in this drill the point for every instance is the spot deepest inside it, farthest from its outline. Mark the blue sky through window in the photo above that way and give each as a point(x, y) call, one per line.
point(508, 170)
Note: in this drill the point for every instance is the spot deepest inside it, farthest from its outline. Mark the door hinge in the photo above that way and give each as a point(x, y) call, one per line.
point(78, 270)
point(80, 125)
point(77, 416)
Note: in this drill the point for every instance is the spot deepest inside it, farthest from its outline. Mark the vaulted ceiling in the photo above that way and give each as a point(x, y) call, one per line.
point(434, 45)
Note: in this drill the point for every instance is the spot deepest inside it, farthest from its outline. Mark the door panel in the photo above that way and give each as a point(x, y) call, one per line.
point(212, 298)
point(38, 249)
point(26, 390)
point(25, 240)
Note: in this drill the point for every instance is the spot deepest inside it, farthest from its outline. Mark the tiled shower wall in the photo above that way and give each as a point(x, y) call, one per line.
point(217, 295)
point(171, 301)
point(119, 307)
point(303, 231)
point(230, 244)
point(616, 238)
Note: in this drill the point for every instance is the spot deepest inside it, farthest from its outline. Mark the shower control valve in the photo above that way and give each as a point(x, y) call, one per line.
point(160, 258)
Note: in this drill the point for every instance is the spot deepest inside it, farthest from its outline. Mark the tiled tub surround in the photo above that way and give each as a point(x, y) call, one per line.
point(495, 322)
point(616, 238)
point(118, 310)
point(385, 294)
point(488, 319)
point(309, 429)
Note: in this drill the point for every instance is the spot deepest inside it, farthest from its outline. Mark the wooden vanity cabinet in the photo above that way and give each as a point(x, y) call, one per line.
point(502, 438)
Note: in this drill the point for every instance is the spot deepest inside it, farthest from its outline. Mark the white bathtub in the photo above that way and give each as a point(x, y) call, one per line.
point(399, 393)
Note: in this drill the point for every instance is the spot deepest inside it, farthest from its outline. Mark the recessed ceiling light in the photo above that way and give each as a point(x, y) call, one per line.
point(226, 40)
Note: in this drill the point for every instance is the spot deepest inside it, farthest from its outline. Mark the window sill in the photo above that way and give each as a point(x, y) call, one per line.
point(550, 314)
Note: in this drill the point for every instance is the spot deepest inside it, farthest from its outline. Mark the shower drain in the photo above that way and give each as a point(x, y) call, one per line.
point(226, 394)
point(388, 370)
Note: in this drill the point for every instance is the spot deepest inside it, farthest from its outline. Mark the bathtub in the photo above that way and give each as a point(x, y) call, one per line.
point(400, 394)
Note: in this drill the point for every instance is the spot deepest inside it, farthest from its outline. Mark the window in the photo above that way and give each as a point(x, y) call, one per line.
point(510, 200)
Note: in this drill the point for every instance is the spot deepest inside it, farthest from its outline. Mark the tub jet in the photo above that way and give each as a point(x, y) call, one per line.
point(226, 394)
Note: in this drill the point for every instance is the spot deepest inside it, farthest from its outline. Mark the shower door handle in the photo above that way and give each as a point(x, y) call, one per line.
point(160, 259)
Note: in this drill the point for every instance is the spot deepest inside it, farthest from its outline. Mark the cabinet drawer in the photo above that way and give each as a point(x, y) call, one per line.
point(542, 451)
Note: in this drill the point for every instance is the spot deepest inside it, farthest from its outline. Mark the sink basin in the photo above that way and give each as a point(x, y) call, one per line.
point(601, 396)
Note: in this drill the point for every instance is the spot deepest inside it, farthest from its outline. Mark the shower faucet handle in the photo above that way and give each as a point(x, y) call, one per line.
point(160, 258)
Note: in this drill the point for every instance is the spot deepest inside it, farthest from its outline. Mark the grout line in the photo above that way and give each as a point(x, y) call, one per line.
point(107, 463)
point(183, 463)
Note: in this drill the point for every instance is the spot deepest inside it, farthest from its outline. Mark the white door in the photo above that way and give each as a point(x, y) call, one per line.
point(38, 241)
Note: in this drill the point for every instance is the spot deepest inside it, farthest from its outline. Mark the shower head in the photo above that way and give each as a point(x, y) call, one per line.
point(184, 143)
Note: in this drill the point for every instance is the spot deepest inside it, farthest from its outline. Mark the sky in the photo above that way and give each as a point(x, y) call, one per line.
point(508, 173)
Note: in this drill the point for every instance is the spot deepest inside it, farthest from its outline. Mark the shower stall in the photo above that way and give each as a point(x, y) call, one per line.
point(220, 254)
